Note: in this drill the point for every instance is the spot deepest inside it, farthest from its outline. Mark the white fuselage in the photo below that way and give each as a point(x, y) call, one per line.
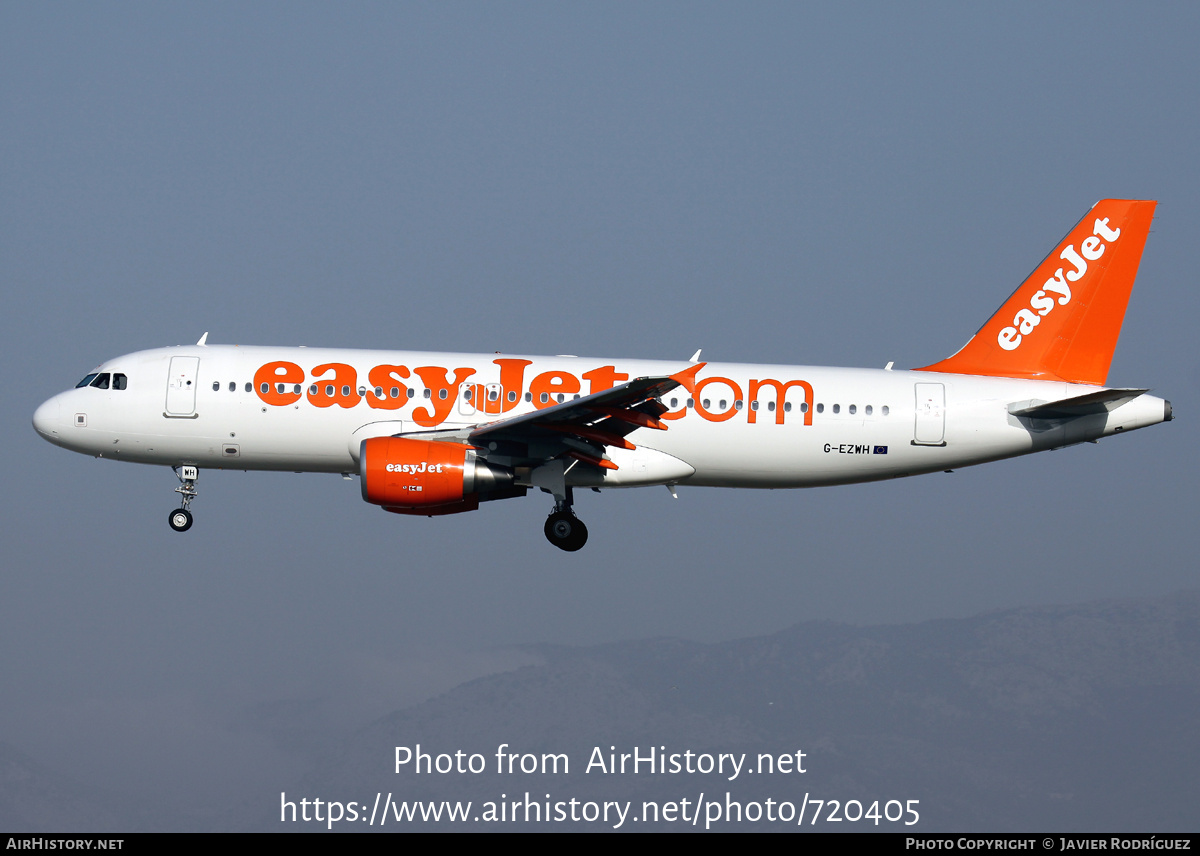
point(759, 426)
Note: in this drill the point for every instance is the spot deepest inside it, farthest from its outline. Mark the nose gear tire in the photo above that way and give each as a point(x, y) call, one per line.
point(180, 520)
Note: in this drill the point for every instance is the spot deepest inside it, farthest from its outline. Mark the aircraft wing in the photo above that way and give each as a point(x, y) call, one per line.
point(583, 428)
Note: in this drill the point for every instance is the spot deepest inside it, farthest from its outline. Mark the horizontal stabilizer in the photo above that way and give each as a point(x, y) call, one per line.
point(1102, 401)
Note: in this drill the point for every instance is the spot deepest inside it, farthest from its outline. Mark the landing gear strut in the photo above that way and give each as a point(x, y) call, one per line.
point(181, 518)
point(563, 529)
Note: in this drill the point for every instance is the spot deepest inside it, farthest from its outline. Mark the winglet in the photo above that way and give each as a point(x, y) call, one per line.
point(1064, 326)
point(687, 377)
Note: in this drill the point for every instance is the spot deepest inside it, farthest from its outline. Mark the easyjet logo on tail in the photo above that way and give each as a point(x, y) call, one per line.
point(1063, 321)
point(1042, 303)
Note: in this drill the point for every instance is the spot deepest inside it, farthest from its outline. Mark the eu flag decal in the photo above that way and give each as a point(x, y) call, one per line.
point(879, 450)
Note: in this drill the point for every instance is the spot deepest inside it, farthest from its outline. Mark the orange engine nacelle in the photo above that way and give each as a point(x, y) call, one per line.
point(428, 477)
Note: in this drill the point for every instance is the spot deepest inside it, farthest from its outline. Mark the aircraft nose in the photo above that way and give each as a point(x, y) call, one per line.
point(47, 420)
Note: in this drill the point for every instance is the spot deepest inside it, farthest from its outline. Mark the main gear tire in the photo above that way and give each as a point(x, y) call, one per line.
point(566, 531)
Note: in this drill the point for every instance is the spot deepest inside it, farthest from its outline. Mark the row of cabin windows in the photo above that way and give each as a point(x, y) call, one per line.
point(494, 395)
point(394, 392)
point(119, 382)
point(104, 380)
point(330, 389)
point(738, 404)
point(853, 409)
point(543, 398)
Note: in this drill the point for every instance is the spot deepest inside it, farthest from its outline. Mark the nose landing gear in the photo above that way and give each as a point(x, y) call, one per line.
point(563, 529)
point(181, 518)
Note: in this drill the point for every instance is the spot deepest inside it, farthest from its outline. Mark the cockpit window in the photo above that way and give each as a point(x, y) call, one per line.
point(120, 381)
point(101, 381)
point(86, 381)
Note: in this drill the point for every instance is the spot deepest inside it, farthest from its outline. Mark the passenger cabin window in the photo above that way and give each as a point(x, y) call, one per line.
point(249, 387)
point(87, 381)
point(233, 386)
point(216, 386)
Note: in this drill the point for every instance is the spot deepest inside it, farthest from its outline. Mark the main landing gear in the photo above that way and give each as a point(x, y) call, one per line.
point(563, 529)
point(181, 518)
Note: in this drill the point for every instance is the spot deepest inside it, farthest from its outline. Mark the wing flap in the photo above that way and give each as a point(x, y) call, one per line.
point(583, 428)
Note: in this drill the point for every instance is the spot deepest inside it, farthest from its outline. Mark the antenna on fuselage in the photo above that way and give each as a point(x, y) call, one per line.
point(696, 356)
point(203, 339)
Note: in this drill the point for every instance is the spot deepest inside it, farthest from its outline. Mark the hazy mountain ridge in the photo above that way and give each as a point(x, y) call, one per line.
point(33, 797)
point(1041, 717)
point(1048, 718)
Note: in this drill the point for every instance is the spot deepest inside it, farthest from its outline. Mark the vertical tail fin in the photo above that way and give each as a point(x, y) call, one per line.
point(1062, 323)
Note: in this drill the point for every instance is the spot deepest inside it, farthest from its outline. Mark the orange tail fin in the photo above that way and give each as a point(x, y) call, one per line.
point(1062, 323)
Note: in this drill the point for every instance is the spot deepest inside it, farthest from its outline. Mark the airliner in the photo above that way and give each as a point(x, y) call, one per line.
point(440, 433)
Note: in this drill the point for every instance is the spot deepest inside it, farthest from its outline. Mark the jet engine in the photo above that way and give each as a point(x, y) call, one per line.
point(429, 477)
